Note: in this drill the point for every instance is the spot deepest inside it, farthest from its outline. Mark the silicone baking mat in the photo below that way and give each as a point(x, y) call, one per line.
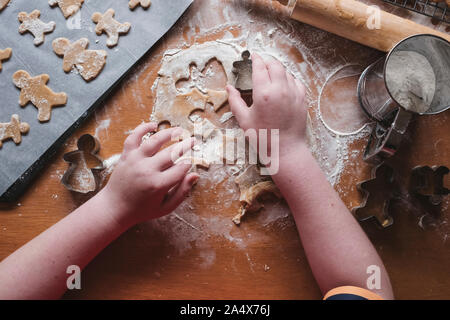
point(19, 163)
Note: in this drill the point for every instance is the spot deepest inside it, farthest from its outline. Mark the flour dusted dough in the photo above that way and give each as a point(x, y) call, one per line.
point(31, 23)
point(68, 7)
point(3, 4)
point(35, 90)
point(13, 130)
point(107, 24)
point(89, 63)
point(5, 55)
point(174, 107)
point(143, 3)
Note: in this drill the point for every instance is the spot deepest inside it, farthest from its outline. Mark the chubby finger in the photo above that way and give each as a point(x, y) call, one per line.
point(180, 192)
point(152, 145)
point(135, 138)
point(260, 74)
point(238, 106)
point(175, 174)
point(277, 72)
point(166, 158)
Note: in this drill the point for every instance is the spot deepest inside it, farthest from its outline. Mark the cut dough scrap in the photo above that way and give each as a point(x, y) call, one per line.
point(217, 98)
point(35, 90)
point(89, 63)
point(3, 4)
point(252, 186)
point(5, 55)
point(31, 23)
point(143, 3)
point(13, 130)
point(68, 7)
point(107, 24)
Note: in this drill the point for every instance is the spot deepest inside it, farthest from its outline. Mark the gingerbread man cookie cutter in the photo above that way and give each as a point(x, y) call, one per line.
point(83, 174)
point(428, 182)
point(89, 63)
point(13, 130)
point(107, 24)
point(35, 90)
point(243, 70)
point(31, 23)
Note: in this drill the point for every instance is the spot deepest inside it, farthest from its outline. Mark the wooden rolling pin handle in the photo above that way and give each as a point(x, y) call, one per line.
point(359, 22)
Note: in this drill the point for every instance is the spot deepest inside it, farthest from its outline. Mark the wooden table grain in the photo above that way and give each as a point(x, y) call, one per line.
point(143, 264)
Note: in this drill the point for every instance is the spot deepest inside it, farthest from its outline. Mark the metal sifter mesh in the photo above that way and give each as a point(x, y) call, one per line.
point(432, 9)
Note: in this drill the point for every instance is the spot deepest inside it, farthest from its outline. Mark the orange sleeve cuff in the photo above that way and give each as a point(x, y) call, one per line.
point(369, 295)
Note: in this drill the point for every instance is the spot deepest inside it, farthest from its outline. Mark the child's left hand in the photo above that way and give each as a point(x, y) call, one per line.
point(146, 184)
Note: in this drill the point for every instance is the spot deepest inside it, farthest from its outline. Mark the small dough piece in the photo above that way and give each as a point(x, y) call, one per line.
point(143, 3)
point(107, 24)
point(3, 4)
point(13, 130)
point(32, 23)
point(217, 98)
point(68, 7)
point(34, 90)
point(89, 63)
point(252, 186)
point(5, 55)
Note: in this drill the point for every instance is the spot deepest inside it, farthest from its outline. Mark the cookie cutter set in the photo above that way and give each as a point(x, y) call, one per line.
point(392, 120)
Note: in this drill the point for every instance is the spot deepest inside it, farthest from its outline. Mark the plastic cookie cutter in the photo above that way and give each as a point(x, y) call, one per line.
point(377, 195)
point(85, 166)
point(376, 93)
point(428, 182)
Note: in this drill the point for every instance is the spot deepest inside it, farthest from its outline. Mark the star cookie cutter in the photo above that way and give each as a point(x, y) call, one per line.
point(378, 193)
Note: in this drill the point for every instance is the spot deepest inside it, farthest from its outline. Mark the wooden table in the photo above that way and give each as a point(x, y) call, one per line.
point(148, 263)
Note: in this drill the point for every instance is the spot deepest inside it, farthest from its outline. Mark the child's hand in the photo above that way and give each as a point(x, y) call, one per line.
point(278, 102)
point(146, 184)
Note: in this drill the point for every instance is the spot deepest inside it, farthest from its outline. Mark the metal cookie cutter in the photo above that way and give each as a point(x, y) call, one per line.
point(85, 166)
point(243, 71)
point(428, 182)
point(378, 193)
point(377, 101)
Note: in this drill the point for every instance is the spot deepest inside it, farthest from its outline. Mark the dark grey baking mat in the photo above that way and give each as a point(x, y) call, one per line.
point(19, 164)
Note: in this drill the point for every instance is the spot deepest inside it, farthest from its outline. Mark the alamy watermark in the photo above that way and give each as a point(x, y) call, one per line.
point(232, 147)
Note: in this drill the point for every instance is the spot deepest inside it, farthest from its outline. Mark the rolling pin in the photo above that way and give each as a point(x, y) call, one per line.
point(356, 21)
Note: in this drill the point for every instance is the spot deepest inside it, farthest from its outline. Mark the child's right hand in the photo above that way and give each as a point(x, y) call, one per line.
point(146, 184)
point(278, 102)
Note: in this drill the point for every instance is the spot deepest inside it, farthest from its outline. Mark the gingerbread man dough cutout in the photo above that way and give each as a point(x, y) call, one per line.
point(35, 90)
point(68, 7)
point(106, 23)
point(13, 130)
point(3, 4)
point(5, 55)
point(143, 3)
point(32, 23)
point(89, 63)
